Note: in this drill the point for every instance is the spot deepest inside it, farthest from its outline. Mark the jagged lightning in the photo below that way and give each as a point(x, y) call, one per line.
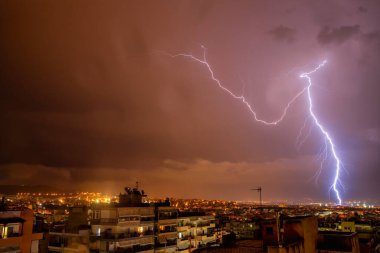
point(299, 141)
point(323, 131)
point(306, 89)
point(241, 97)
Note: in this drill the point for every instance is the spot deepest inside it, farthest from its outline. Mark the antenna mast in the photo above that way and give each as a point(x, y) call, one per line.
point(259, 190)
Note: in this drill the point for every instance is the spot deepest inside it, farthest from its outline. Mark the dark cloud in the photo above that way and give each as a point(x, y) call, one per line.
point(338, 35)
point(373, 135)
point(372, 36)
point(284, 34)
point(196, 175)
point(362, 9)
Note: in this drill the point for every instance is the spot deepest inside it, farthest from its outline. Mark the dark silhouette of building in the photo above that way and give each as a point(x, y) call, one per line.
point(336, 241)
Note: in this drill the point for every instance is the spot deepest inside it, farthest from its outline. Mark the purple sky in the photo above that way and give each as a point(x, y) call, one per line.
point(90, 99)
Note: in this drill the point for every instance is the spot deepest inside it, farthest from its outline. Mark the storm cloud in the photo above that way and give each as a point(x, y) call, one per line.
point(284, 33)
point(338, 35)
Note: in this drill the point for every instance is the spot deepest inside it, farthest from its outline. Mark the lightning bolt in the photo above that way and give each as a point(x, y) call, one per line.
point(203, 61)
point(322, 157)
point(299, 141)
point(324, 131)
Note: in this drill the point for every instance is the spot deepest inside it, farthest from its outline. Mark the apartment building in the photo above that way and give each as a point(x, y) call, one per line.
point(195, 230)
point(17, 233)
point(135, 226)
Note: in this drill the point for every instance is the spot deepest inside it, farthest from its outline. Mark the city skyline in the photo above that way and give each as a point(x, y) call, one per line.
point(91, 98)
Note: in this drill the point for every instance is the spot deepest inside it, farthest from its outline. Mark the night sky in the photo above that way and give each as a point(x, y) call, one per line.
point(91, 100)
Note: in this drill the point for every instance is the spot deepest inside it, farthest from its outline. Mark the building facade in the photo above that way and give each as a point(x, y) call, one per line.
point(17, 233)
point(123, 229)
point(134, 226)
point(195, 230)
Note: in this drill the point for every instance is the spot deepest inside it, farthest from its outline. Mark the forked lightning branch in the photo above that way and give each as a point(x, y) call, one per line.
point(306, 90)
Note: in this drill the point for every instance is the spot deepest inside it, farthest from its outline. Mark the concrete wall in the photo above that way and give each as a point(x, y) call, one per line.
point(310, 229)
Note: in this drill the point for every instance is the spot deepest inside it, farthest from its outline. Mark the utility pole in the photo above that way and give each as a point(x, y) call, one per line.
point(259, 190)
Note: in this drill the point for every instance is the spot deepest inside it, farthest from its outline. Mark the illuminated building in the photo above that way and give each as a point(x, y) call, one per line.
point(74, 235)
point(195, 230)
point(128, 227)
point(16, 232)
point(134, 226)
point(166, 227)
point(244, 230)
point(347, 226)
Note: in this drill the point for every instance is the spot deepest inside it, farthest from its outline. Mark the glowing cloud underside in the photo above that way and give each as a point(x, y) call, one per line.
point(306, 90)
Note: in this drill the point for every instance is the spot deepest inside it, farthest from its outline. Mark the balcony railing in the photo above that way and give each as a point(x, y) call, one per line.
point(148, 232)
point(135, 248)
point(171, 242)
point(168, 230)
point(183, 228)
point(201, 224)
point(163, 216)
point(12, 235)
point(147, 219)
point(203, 237)
point(167, 244)
point(104, 221)
point(187, 237)
point(125, 235)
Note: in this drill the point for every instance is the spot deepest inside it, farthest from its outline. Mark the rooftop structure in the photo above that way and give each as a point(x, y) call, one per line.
point(132, 197)
point(335, 241)
point(290, 234)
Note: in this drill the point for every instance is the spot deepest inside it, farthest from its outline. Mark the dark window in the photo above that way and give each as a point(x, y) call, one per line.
point(147, 218)
point(269, 230)
point(164, 215)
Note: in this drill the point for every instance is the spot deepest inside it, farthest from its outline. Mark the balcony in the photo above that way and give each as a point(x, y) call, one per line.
point(59, 249)
point(171, 222)
point(146, 219)
point(136, 248)
point(167, 243)
point(129, 223)
point(171, 243)
point(206, 239)
point(202, 224)
point(166, 216)
point(183, 228)
point(167, 240)
point(125, 236)
point(9, 235)
point(148, 232)
point(186, 237)
point(168, 230)
point(183, 245)
point(104, 221)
